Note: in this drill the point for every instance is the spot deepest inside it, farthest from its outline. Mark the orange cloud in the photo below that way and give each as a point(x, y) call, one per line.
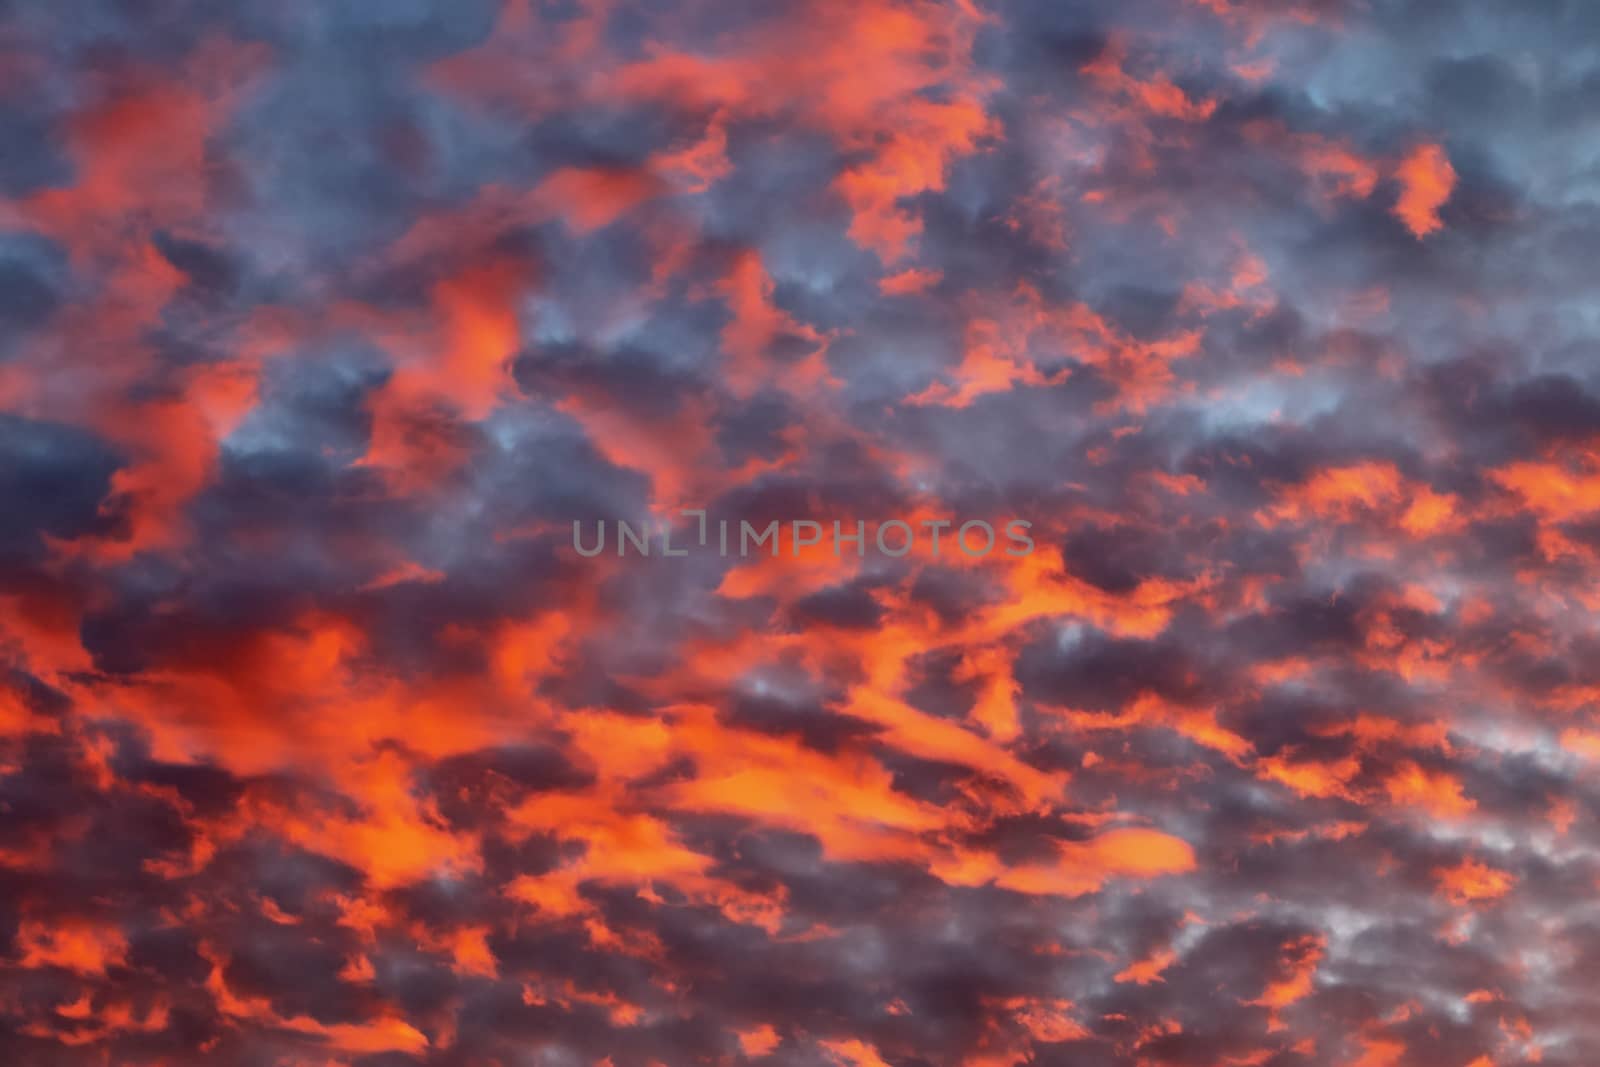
point(1472, 881)
point(1426, 181)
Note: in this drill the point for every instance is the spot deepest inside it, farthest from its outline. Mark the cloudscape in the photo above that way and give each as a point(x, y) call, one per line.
point(1098, 514)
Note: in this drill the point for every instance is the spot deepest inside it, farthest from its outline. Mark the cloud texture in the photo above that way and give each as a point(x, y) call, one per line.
point(322, 322)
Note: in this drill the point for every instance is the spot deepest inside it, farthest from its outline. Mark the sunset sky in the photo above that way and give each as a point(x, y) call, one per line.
point(323, 321)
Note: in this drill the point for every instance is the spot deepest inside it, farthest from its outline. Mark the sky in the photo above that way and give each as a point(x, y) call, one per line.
point(324, 324)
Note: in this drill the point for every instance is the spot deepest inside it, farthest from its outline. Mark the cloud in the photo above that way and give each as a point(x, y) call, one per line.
point(320, 325)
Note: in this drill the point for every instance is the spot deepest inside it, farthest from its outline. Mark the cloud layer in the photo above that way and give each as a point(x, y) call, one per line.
point(322, 323)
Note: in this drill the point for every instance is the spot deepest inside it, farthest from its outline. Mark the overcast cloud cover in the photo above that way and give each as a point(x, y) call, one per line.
point(322, 321)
